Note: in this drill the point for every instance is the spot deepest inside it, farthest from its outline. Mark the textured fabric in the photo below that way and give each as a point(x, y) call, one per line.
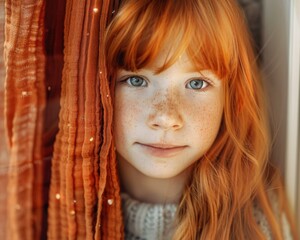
point(145, 221)
point(263, 222)
point(83, 174)
point(24, 103)
point(4, 159)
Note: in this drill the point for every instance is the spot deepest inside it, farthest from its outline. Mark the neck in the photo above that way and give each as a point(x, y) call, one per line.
point(148, 189)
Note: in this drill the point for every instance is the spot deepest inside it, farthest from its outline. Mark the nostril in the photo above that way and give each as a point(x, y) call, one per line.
point(165, 126)
point(165, 120)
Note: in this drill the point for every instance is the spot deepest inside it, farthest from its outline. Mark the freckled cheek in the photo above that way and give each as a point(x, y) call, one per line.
point(127, 115)
point(204, 117)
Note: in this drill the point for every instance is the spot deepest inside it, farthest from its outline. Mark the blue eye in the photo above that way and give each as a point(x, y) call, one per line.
point(136, 81)
point(196, 84)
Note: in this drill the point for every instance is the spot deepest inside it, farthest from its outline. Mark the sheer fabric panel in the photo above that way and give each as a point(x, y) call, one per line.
point(23, 114)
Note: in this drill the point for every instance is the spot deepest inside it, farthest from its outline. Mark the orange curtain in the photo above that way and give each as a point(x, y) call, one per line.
point(4, 160)
point(24, 102)
point(58, 174)
point(84, 189)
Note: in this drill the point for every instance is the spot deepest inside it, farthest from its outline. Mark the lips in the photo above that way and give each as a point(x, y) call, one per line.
point(162, 150)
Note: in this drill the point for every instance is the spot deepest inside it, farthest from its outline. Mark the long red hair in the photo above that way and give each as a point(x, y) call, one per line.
point(234, 176)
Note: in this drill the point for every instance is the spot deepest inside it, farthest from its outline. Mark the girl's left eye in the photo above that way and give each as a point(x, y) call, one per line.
point(196, 84)
point(136, 81)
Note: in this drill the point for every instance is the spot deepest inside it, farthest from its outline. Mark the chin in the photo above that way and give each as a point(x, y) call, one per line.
point(159, 172)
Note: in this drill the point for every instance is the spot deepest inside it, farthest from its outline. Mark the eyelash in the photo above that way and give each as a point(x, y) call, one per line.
point(127, 80)
point(204, 82)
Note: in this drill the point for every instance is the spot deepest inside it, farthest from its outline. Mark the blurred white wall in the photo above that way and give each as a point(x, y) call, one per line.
point(281, 64)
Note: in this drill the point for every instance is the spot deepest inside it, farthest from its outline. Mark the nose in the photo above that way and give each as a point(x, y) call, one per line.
point(165, 115)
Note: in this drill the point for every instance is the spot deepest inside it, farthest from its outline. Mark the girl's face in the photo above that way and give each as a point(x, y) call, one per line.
point(165, 122)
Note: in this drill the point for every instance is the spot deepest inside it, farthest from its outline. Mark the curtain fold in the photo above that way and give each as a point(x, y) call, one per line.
point(4, 160)
point(84, 200)
point(23, 113)
point(54, 46)
point(55, 63)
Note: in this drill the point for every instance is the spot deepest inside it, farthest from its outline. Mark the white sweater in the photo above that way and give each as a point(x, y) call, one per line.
point(145, 221)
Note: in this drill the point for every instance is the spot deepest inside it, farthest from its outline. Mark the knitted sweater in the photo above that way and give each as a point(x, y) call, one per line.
point(145, 221)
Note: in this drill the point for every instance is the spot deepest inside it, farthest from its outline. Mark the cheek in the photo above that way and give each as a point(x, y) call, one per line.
point(126, 115)
point(204, 119)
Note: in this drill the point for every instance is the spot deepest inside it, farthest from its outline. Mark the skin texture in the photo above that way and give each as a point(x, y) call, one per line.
point(164, 109)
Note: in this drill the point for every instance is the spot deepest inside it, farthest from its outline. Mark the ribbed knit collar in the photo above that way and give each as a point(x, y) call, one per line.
point(146, 220)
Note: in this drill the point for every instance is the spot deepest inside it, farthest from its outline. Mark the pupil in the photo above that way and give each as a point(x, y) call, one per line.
point(136, 81)
point(197, 84)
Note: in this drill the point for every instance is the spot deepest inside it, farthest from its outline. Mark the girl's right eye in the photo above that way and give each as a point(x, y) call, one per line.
point(136, 81)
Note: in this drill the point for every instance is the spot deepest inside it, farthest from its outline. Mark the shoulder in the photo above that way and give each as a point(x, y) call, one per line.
point(263, 223)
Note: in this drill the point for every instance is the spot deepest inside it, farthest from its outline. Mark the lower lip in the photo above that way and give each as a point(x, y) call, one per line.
point(162, 152)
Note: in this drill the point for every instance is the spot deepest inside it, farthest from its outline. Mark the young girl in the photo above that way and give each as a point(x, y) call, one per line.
point(190, 127)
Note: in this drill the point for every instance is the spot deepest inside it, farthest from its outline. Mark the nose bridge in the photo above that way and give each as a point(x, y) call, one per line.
point(166, 102)
point(166, 112)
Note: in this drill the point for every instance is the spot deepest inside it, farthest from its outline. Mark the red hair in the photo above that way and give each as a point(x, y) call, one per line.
point(234, 174)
